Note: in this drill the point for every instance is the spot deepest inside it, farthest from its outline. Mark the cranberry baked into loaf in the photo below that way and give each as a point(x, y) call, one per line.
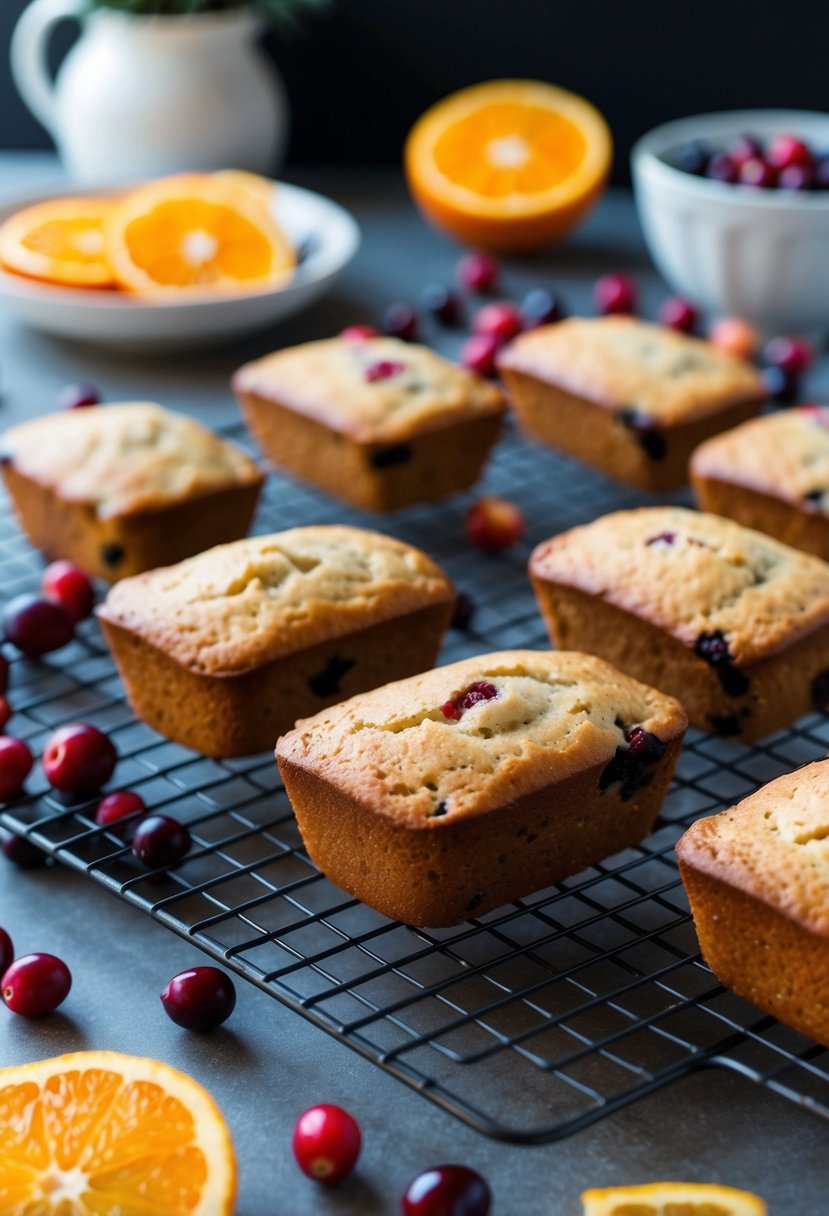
point(123, 488)
point(757, 877)
point(456, 791)
point(633, 399)
point(730, 621)
point(224, 651)
point(380, 422)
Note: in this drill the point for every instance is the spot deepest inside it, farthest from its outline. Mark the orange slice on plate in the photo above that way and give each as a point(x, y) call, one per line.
point(261, 188)
point(197, 234)
point(672, 1199)
point(509, 164)
point(59, 241)
point(102, 1134)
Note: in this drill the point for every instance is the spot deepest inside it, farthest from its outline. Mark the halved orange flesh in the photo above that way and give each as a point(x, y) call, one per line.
point(196, 234)
point(59, 241)
point(508, 164)
point(103, 1134)
point(672, 1199)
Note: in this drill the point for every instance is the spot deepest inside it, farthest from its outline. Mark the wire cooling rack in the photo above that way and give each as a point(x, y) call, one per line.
point(528, 1023)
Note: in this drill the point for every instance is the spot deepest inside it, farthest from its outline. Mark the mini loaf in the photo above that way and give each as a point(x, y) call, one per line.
point(123, 488)
point(632, 399)
point(733, 623)
point(380, 423)
point(453, 792)
point(224, 651)
point(757, 878)
point(771, 474)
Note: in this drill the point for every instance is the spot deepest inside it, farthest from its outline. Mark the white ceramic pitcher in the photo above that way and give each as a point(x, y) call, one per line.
point(140, 96)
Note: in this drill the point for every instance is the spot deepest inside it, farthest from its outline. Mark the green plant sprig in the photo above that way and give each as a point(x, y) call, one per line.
point(279, 13)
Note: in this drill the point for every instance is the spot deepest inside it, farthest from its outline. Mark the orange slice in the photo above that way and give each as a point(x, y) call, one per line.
point(102, 1134)
point(60, 241)
point(260, 188)
point(672, 1199)
point(196, 234)
point(509, 164)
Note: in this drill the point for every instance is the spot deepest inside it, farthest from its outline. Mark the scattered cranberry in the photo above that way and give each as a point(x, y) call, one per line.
point(326, 1143)
point(757, 172)
point(793, 355)
point(540, 307)
point(745, 148)
point(441, 303)
point(478, 272)
point(662, 538)
point(782, 387)
point(35, 625)
point(447, 1190)
point(78, 397)
point(679, 314)
point(786, 150)
point(21, 852)
point(79, 758)
point(693, 158)
point(644, 746)
point(36, 984)
point(66, 584)
point(117, 806)
point(796, 177)
point(734, 335)
point(494, 524)
point(6, 952)
point(359, 333)
point(199, 999)
point(479, 354)
point(5, 712)
point(400, 321)
point(721, 168)
point(15, 766)
point(475, 694)
point(161, 842)
point(4, 673)
point(501, 321)
point(615, 294)
point(384, 369)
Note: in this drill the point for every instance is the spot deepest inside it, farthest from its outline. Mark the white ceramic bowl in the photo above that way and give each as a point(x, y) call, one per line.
point(325, 233)
point(759, 254)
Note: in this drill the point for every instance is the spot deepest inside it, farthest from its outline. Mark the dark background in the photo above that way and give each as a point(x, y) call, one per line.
point(362, 74)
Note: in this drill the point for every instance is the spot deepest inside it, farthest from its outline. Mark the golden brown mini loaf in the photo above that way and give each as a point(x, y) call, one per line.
point(731, 622)
point(379, 422)
point(224, 651)
point(630, 398)
point(771, 474)
point(757, 878)
point(123, 488)
point(452, 792)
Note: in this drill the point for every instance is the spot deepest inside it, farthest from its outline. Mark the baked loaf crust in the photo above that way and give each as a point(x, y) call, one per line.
point(730, 621)
point(381, 423)
point(456, 791)
point(224, 651)
point(757, 877)
point(771, 474)
point(126, 487)
point(630, 398)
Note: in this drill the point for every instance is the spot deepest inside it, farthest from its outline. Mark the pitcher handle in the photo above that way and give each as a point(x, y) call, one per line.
point(28, 54)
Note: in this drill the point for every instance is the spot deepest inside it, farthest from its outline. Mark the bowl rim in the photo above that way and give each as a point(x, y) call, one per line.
point(647, 152)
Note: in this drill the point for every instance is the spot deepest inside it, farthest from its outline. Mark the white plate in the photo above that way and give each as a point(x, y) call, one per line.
point(326, 235)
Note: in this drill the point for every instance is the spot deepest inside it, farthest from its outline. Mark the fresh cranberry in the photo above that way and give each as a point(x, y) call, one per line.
point(36, 625)
point(359, 333)
point(199, 999)
point(5, 712)
point(745, 148)
point(440, 303)
point(79, 758)
point(794, 355)
point(479, 354)
point(644, 746)
point(478, 272)
point(757, 172)
point(540, 307)
point(721, 168)
point(447, 1190)
point(4, 673)
point(782, 387)
point(475, 694)
point(822, 174)
point(615, 294)
point(6, 952)
point(692, 157)
point(78, 397)
point(117, 806)
point(796, 177)
point(662, 538)
point(734, 335)
point(383, 369)
point(400, 321)
point(66, 584)
point(21, 852)
point(326, 1143)
point(161, 842)
point(15, 766)
point(679, 314)
point(501, 321)
point(494, 524)
point(714, 649)
point(36, 984)
point(786, 150)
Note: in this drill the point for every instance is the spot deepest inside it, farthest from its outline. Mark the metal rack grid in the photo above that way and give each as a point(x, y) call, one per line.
point(528, 1023)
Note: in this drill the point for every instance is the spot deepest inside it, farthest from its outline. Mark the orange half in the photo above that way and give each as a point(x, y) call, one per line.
point(672, 1199)
point(509, 164)
point(59, 241)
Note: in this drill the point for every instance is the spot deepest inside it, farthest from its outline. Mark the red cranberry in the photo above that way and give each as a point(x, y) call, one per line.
point(796, 177)
point(440, 303)
point(383, 369)
point(644, 746)
point(36, 984)
point(540, 307)
point(35, 625)
point(359, 333)
point(721, 168)
point(15, 766)
point(326, 1143)
point(793, 355)
point(79, 758)
point(478, 272)
point(501, 321)
point(78, 396)
point(692, 157)
point(662, 538)
point(6, 952)
point(447, 1190)
point(745, 148)
point(118, 806)
point(615, 294)
point(161, 842)
point(786, 150)
point(66, 584)
point(199, 999)
point(20, 851)
point(494, 524)
point(4, 673)
point(757, 172)
point(400, 321)
point(5, 712)
point(679, 314)
point(479, 354)
point(475, 694)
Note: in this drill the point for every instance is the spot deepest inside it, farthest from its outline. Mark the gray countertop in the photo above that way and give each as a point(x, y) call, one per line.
point(268, 1064)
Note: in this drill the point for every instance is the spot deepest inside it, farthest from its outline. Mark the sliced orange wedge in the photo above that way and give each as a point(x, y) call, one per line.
point(196, 234)
point(509, 164)
point(102, 1134)
point(672, 1199)
point(61, 241)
